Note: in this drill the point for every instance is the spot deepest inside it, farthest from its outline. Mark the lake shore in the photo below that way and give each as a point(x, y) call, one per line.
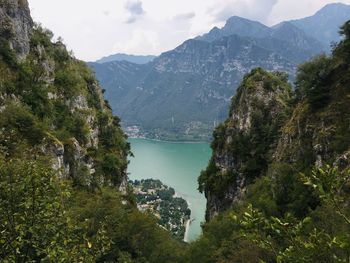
point(166, 141)
point(177, 165)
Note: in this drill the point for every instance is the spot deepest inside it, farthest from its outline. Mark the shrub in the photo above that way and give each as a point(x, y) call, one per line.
point(314, 81)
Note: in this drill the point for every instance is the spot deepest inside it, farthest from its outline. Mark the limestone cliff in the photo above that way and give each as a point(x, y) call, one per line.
point(243, 145)
point(16, 22)
point(51, 105)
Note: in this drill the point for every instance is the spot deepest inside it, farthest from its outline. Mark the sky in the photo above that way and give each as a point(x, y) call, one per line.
point(96, 28)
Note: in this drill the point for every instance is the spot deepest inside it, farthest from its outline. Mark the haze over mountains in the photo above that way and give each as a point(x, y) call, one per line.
point(185, 92)
point(125, 57)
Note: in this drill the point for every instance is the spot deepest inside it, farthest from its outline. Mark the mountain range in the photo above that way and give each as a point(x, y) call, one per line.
point(183, 93)
point(126, 57)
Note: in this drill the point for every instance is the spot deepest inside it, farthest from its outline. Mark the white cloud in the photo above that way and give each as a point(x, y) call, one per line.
point(135, 9)
point(140, 42)
point(95, 28)
point(252, 9)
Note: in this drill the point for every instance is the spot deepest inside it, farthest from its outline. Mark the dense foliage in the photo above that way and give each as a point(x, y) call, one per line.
point(259, 233)
point(51, 108)
point(44, 219)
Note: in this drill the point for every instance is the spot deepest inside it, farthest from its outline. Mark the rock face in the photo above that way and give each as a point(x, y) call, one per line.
point(242, 145)
point(42, 84)
point(15, 20)
point(266, 135)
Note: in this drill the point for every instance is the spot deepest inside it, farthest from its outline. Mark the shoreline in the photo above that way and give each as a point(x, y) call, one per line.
point(174, 142)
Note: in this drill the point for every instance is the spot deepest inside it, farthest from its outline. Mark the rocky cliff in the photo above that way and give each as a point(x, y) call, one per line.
point(267, 134)
point(16, 23)
point(51, 105)
point(243, 145)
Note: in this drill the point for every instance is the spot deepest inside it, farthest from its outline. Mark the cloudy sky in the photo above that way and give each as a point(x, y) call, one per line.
point(96, 28)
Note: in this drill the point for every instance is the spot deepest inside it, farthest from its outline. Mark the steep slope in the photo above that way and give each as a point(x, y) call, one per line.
point(315, 134)
point(286, 31)
point(16, 24)
point(243, 145)
point(282, 195)
point(324, 25)
point(51, 104)
point(125, 57)
point(64, 196)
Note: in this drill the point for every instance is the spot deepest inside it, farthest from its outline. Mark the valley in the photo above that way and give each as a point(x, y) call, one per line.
point(239, 147)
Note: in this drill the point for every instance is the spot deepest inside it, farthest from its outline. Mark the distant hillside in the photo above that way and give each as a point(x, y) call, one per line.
point(238, 26)
point(125, 57)
point(324, 25)
point(285, 31)
point(185, 92)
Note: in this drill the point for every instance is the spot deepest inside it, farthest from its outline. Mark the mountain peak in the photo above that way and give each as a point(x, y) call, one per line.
point(239, 19)
point(324, 25)
point(236, 25)
point(245, 27)
point(333, 6)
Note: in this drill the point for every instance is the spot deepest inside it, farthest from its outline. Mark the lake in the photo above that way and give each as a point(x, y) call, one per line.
point(177, 165)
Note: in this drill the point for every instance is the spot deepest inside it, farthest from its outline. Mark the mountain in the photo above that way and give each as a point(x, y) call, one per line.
point(183, 93)
point(125, 57)
point(242, 144)
point(238, 26)
point(285, 31)
point(324, 25)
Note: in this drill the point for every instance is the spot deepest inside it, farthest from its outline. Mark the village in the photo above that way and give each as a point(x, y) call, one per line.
point(171, 211)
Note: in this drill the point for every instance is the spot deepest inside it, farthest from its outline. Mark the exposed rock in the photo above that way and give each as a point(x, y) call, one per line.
point(71, 137)
point(260, 105)
point(15, 19)
point(55, 150)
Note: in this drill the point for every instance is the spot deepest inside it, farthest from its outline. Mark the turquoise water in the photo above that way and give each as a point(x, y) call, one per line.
point(177, 165)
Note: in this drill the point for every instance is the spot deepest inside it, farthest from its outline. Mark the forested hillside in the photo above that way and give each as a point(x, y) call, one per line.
point(63, 159)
